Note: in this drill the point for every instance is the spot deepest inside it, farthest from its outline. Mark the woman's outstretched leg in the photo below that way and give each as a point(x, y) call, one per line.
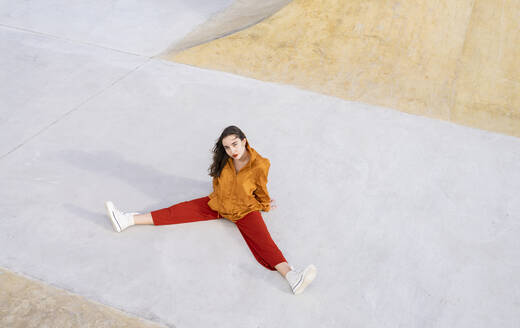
point(255, 233)
point(257, 237)
point(184, 212)
point(190, 211)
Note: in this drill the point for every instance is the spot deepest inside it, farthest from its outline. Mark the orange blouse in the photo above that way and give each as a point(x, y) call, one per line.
point(237, 194)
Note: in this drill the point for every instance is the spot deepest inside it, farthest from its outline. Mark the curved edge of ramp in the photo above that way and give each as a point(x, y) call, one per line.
point(240, 15)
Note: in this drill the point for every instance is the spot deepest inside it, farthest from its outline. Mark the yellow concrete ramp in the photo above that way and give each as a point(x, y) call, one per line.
point(453, 60)
point(27, 303)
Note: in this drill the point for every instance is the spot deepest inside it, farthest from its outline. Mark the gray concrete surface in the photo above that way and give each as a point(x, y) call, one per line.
point(143, 28)
point(411, 222)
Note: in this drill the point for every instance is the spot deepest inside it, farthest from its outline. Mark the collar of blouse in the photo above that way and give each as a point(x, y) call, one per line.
point(252, 156)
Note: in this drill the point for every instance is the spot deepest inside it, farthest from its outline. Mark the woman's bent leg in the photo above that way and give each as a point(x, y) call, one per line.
point(190, 211)
point(255, 233)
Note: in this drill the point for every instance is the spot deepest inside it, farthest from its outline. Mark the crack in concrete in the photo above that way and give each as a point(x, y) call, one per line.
point(70, 40)
point(74, 109)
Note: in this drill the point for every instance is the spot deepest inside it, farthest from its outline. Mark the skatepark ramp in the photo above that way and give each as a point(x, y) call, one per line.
point(239, 15)
point(450, 60)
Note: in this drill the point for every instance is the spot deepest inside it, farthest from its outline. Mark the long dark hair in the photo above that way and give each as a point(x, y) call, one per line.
point(220, 156)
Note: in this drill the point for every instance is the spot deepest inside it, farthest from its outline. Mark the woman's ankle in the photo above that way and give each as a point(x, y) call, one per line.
point(143, 218)
point(283, 268)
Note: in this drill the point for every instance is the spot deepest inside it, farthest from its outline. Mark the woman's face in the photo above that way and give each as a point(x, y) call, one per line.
point(235, 148)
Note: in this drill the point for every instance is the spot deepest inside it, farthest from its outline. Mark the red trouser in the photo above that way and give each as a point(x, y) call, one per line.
point(251, 226)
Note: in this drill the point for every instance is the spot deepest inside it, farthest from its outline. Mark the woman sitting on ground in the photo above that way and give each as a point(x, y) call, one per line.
point(239, 194)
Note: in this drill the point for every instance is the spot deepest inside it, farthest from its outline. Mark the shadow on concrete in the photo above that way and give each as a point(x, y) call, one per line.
point(165, 189)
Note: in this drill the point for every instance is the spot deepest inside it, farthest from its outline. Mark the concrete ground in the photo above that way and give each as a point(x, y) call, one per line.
point(411, 222)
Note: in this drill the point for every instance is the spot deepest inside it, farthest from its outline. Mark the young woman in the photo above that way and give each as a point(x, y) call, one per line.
point(239, 194)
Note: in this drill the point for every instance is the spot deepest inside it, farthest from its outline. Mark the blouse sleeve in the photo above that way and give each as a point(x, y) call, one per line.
point(214, 184)
point(213, 194)
point(261, 193)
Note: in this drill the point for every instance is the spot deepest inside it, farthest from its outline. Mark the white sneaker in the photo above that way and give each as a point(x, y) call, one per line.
point(120, 220)
point(300, 279)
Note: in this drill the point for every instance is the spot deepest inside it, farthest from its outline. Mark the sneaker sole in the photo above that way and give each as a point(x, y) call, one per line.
point(308, 276)
point(110, 211)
